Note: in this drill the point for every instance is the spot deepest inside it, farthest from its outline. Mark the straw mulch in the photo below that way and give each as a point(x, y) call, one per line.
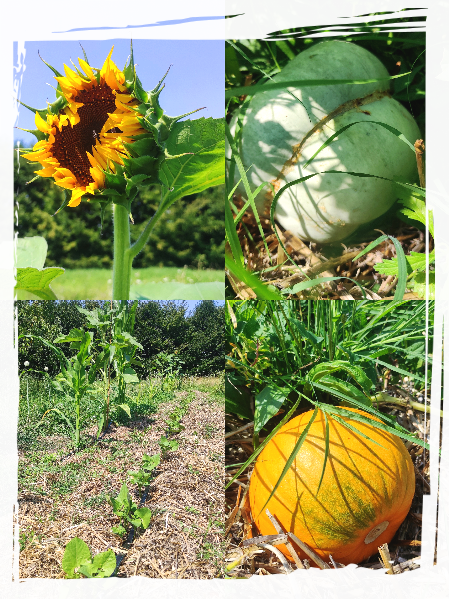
point(309, 259)
point(417, 555)
point(186, 496)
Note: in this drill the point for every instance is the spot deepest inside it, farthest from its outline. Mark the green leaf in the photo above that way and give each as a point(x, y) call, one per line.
point(237, 398)
point(31, 252)
point(347, 389)
point(326, 368)
point(421, 211)
point(180, 291)
point(37, 281)
point(415, 261)
point(74, 335)
point(22, 267)
point(444, 75)
point(150, 462)
point(102, 566)
point(196, 158)
point(242, 274)
point(129, 375)
point(267, 404)
point(125, 408)
point(76, 553)
point(145, 516)
point(418, 285)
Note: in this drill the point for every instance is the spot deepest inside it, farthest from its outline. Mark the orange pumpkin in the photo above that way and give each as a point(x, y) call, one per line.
point(365, 494)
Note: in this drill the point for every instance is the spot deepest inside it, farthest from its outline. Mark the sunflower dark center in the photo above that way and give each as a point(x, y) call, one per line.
point(72, 143)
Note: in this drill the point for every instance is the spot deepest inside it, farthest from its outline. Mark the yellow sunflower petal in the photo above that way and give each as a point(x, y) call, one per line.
point(87, 69)
point(106, 64)
point(98, 176)
point(76, 198)
point(66, 183)
point(35, 157)
point(46, 172)
point(41, 124)
point(73, 78)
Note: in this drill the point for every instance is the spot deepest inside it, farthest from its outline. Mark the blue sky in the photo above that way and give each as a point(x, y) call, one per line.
point(187, 34)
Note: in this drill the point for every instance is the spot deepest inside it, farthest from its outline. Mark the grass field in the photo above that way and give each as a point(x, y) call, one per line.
point(63, 494)
point(96, 283)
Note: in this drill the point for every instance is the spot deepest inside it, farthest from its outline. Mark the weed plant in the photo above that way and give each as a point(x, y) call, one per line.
point(305, 354)
point(142, 399)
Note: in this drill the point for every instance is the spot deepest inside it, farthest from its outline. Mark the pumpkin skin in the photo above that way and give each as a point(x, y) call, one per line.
point(328, 207)
point(365, 494)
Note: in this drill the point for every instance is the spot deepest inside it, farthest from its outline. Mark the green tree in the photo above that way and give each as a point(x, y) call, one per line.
point(204, 353)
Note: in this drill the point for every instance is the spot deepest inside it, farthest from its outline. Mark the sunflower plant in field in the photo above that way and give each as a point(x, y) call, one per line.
point(109, 351)
point(104, 138)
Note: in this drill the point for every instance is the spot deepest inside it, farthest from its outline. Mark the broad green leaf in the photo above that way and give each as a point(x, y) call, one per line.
point(444, 75)
point(173, 290)
point(74, 335)
point(22, 267)
point(131, 339)
point(354, 371)
point(125, 408)
point(129, 375)
point(415, 261)
point(145, 515)
point(196, 158)
point(102, 566)
point(37, 281)
point(347, 389)
point(418, 285)
point(414, 207)
point(267, 404)
point(31, 251)
point(75, 554)
point(237, 398)
point(150, 462)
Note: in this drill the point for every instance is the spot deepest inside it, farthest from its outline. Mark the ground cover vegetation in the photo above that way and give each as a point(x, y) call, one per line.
point(267, 260)
point(96, 439)
point(285, 359)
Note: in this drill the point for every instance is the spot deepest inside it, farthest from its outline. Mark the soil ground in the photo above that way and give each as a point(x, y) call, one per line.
point(63, 495)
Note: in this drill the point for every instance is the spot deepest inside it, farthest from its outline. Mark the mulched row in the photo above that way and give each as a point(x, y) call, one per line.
point(185, 536)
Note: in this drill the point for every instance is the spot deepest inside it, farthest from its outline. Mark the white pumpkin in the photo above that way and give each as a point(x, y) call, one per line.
point(328, 207)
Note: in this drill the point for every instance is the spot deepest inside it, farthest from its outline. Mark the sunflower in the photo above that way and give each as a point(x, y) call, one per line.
point(96, 119)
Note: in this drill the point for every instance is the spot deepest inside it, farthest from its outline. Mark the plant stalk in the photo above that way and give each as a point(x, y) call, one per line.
point(77, 422)
point(121, 276)
point(384, 398)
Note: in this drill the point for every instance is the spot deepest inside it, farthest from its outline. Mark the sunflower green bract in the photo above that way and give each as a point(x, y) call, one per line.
point(328, 207)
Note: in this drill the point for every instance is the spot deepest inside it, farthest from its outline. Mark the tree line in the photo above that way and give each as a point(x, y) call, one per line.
point(190, 234)
point(194, 343)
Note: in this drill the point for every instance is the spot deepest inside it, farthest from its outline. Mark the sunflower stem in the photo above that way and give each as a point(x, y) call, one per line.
point(121, 276)
point(145, 235)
